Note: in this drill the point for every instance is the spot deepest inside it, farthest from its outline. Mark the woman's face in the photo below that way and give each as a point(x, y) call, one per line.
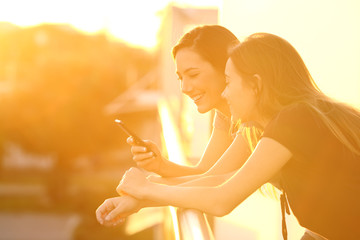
point(239, 95)
point(200, 80)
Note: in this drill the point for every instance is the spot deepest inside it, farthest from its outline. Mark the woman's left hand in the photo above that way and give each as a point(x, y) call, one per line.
point(134, 183)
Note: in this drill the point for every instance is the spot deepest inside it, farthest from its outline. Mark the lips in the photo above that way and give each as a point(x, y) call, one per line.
point(196, 98)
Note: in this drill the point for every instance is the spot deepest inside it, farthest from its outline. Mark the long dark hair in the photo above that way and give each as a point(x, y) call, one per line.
point(285, 80)
point(210, 41)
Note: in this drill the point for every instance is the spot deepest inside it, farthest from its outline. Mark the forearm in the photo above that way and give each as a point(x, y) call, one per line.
point(266, 161)
point(232, 159)
point(210, 181)
point(170, 169)
point(205, 199)
point(144, 203)
point(194, 180)
point(174, 180)
point(218, 143)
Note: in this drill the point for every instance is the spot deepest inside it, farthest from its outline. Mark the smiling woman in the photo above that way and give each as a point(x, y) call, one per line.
point(199, 80)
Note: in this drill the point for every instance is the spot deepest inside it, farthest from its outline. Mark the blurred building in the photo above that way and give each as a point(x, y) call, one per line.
point(194, 127)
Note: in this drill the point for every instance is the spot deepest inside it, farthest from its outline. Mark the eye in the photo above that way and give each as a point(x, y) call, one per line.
point(193, 75)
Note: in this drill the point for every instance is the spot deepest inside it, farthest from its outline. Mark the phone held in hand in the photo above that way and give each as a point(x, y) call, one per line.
point(130, 133)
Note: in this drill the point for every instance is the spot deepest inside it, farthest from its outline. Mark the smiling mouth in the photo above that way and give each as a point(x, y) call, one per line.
point(197, 97)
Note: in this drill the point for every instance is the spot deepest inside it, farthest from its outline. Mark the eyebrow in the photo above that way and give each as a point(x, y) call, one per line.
point(188, 70)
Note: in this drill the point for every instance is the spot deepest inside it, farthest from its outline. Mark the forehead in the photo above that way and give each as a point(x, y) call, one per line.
point(186, 58)
point(230, 68)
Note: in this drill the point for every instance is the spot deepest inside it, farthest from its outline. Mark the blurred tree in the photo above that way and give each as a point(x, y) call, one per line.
point(60, 82)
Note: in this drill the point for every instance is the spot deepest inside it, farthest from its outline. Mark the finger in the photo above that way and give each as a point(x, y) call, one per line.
point(143, 156)
point(114, 222)
point(115, 215)
point(118, 221)
point(137, 149)
point(152, 146)
point(130, 140)
point(145, 162)
point(103, 210)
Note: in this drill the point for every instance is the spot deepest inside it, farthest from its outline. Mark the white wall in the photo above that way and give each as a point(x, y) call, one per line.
point(326, 33)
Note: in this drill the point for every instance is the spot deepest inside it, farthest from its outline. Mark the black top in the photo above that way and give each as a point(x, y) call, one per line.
point(322, 179)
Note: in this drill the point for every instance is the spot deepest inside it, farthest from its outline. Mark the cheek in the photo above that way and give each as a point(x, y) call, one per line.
point(241, 100)
point(215, 82)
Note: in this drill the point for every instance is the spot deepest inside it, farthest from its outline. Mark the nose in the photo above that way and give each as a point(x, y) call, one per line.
point(186, 86)
point(224, 93)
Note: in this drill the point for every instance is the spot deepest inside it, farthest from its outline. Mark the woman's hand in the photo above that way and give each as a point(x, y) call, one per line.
point(134, 183)
point(113, 211)
point(148, 157)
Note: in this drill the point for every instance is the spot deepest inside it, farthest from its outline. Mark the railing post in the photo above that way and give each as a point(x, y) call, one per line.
point(188, 224)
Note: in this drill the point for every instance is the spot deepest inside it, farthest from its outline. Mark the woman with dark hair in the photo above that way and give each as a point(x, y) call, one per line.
point(310, 141)
point(200, 57)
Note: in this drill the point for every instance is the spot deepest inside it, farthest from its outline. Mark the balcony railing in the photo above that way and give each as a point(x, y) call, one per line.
point(188, 224)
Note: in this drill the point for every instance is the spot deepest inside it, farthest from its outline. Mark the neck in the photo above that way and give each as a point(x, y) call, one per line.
point(263, 122)
point(224, 109)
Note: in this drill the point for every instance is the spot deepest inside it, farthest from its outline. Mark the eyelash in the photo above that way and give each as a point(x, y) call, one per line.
point(193, 75)
point(190, 76)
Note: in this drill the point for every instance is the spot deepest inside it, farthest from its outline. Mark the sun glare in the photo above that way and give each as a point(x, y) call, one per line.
point(129, 21)
point(136, 22)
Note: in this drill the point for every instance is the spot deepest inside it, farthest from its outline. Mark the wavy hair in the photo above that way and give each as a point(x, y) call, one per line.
point(285, 80)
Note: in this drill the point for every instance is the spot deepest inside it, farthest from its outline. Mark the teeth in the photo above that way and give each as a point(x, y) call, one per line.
point(195, 98)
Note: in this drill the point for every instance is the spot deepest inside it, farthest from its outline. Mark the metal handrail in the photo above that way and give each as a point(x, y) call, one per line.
point(193, 225)
point(188, 224)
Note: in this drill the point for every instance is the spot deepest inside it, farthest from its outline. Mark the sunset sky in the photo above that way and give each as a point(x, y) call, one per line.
point(135, 21)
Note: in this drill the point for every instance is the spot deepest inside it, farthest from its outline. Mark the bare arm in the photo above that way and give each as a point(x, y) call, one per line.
point(113, 211)
point(267, 159)
point(219, 141)
point(225, 164)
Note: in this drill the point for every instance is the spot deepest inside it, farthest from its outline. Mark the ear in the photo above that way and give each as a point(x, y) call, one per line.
point(257, 84)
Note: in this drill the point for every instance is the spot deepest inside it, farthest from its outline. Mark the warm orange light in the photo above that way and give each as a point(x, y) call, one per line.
point(171, 135)
point(136, 22)
point(132, 22)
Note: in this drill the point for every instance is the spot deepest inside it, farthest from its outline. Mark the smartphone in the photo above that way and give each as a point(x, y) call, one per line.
point(130, 133)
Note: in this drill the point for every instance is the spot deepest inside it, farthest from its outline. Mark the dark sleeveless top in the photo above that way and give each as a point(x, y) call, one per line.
point(322, 179)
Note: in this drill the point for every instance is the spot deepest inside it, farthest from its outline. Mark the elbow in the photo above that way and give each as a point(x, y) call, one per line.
point(223, 204)
point(221, 210)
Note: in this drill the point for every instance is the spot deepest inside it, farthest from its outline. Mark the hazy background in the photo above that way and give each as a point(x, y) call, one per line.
point(69, 68)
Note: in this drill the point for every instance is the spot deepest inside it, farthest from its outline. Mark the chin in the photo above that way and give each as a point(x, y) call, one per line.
point(202, 109)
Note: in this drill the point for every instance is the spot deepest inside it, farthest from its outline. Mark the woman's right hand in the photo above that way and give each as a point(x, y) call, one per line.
point(113, 211)
point(148, 158)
